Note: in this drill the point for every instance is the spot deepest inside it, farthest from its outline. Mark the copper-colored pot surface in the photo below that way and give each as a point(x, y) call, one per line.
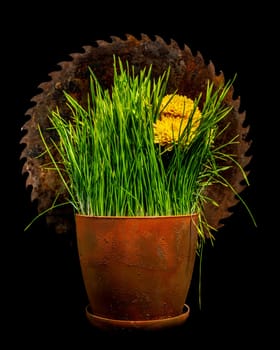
point(137, 268)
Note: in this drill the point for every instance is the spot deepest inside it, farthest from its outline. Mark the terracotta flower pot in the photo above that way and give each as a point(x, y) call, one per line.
point(137, 270)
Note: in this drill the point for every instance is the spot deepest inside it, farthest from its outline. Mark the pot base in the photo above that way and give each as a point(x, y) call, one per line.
point(113, 324)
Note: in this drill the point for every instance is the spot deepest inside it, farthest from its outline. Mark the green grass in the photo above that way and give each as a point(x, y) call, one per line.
point(110, 164)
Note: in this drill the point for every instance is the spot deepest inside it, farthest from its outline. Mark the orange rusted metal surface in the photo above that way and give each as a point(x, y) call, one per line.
point(137, 268)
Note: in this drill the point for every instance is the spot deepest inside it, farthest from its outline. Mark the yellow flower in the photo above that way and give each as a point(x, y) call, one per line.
point(174, 118)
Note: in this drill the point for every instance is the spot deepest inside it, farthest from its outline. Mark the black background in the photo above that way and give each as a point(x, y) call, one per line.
point(45, 297)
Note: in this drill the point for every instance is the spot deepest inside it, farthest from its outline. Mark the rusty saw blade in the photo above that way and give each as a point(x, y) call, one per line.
point(189, 75)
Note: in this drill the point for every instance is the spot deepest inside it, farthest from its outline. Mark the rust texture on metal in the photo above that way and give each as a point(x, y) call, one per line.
point(189, 76)
point(141, 266)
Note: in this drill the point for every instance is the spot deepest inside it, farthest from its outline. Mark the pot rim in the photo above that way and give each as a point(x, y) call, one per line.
point(136, 216)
